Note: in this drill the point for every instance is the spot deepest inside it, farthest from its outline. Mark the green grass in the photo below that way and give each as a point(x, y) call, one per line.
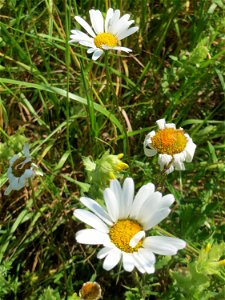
point(68, 107)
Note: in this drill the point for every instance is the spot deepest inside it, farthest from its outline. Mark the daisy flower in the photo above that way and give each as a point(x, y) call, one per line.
point(104, 34)
point(174, 146)
point(121, 227)
point(20, 170)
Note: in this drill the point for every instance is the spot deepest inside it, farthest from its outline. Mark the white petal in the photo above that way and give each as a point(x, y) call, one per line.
point(92, 237)
point(112, 204)
point(28, 173)
point(85, 25)
point(13, 159)
point(170, 125)
point(112, 259)
point(148, 255)
point(146, 264)
point(103, 252)
point(121, 24)
point(164, 245)
point(142, 195)
point(127, 197)
point(109, 15)
point(136, 238)
point(127, 32)
point(96, 209)
point(161, 123)
point(128, 262)
point(91, 50)
point(97, 21)
point(156, 218)
point(26, 150)
point(116, 188)
point(150, 152)
point(114, 19)
point(97, 54)
point(8, 190)
point(150, 207)
point(164, 160)
point(90, 219)
point(87, 44)
point(78, 35)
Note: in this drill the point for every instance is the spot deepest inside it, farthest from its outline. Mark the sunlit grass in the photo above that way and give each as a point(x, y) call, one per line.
point(68, 107)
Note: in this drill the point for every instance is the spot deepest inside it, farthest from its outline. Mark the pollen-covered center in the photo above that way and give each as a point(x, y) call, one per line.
point(169, 141)
point(18, 167)
point(122, 232)
point(105, 39)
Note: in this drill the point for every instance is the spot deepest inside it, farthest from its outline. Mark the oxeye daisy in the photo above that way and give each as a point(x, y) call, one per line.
point(20, 170)
point(174, 146)
point(121, 227)
point(104, 34)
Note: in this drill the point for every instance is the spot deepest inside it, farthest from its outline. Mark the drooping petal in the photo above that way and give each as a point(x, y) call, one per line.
point(164, 245)
point(97, 54)
point(103, 252)
point(92, 237)
point(112, 259)
point(91, 219)
point(146, 264)
point(150, 152)
point(128, 262)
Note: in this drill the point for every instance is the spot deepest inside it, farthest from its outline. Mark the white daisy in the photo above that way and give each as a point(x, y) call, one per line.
point(174, 146)
point(20, 170)
point(104, 34)
point(121, 227)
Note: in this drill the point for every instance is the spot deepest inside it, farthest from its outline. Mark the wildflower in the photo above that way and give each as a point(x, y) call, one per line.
point(107, 167)
point(121, 228)
point(20, 170)
point(104, 34)
point(174, 146)
point(90, 291)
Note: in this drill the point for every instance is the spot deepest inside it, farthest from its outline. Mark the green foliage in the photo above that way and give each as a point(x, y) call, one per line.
point(74, 112)
point(196, 281)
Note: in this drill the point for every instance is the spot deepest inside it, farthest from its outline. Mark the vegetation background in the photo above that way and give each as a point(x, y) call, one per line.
point(69, 107)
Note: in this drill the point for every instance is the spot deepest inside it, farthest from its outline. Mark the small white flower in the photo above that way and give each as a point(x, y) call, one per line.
point(104, 34)
point(174, 146)
point(121, 227)
point(20, 170)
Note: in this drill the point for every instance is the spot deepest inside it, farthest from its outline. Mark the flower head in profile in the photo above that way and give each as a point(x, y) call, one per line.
point(174, 146)
point(107, 167)
point(104, 34)
point(90, 291)
point(20, 170)
point(121, 226)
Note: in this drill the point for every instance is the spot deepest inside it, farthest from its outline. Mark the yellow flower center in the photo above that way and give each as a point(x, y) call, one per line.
point(169, 141)
point(122, 232)
point(90, 291)
point(105, 38)
point(18, 168)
